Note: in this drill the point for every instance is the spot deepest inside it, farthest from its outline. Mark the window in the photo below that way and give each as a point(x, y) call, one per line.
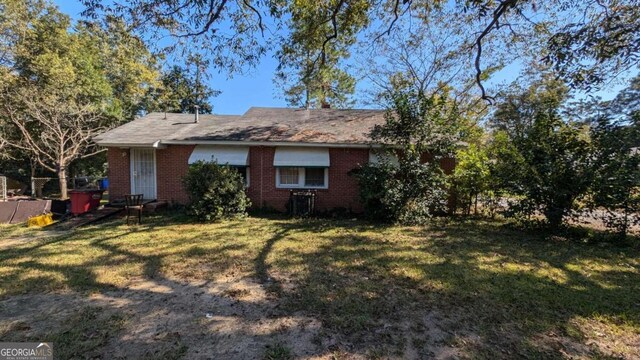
point(289, 176)
point(244, 172)
point(299, 177)
point(314, 177)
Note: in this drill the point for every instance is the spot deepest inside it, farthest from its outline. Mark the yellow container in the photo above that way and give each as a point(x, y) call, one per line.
point(40, 220)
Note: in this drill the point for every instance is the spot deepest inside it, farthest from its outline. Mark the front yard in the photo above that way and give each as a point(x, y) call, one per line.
point(277, 288)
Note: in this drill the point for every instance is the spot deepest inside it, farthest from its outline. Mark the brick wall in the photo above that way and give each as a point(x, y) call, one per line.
point(342, 191)
point(172, 165)
point(118, 172)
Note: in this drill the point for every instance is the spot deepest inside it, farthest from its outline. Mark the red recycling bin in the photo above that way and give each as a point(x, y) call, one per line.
point(83, 201)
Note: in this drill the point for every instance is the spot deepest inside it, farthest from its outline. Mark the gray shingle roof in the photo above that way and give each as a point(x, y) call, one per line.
point(332, 126)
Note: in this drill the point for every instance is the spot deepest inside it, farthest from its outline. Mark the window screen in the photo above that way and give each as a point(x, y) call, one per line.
point(314, 177)
point(289, 176)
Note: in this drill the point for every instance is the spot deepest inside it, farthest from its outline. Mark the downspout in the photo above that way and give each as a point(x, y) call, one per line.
point(261, 176)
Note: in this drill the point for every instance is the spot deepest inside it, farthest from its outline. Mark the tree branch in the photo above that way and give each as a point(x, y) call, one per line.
point(213, 17)
point(494, 23)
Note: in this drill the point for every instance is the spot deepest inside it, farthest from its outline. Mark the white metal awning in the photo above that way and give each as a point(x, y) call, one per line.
point(377, 155)
point(301, 157)
point(223, 155)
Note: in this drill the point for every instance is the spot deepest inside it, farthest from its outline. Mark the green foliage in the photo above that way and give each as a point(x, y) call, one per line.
point(309, 64)
point(419, 123)
point(215, 192)
point(517, 109)
point(616, 186)
point(421, 130)
point(602, 42)
point(548, 168)
point(410, 193)
point(373, 186)
point(62, 83)
point(471, 177)
point(181, 90)
point(587, 42)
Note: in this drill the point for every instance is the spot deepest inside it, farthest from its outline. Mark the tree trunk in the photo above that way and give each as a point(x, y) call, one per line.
point(62, 178)
point(554, 217)
point(32, 164)
point(475, 205)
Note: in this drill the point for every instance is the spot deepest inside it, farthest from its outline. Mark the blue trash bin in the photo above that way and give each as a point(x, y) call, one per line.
point(104, 184)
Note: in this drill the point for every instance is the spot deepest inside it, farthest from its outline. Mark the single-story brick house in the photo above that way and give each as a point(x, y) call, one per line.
point(275, 149)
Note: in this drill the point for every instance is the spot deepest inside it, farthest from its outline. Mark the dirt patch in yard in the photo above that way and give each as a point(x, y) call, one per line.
point(226, 318)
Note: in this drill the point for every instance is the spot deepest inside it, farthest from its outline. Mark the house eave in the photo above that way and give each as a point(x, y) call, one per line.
point(270, 143)
point(156, 145)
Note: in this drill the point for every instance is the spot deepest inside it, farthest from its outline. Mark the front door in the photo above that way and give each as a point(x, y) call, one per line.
point(143, 173)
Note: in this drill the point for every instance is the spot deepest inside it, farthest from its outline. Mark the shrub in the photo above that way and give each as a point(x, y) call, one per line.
point(471, 177)
point(215, 192)
point(409, 194)
point(411, 191)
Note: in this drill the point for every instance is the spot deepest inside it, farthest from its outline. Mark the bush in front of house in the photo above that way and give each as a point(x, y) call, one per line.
point(215, 192)
point(409, 194)
point(410, 191)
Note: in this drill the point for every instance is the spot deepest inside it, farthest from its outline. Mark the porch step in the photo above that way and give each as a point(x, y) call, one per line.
point(86, 218)
point(155, 206)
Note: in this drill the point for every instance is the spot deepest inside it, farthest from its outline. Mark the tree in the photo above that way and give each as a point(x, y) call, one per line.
point(128, 66)
point(180, 92)
point(65, 129)
point(545, 164)
point(309, 66)
point(431, 58)
point(617, 172)
point(61, 87)
point(518, 107)
point(471, 176)
point(586, 42)
point(421, 130)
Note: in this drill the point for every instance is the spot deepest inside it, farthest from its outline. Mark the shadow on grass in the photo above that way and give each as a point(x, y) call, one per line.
point(482, 288)
point(510, 292)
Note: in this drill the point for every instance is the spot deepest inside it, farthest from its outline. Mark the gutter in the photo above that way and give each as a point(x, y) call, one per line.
point(163, 143)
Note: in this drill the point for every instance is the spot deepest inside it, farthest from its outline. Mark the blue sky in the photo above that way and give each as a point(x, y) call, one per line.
point(256, 86)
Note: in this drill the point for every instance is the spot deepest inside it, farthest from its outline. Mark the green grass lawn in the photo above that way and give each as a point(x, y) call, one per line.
point(469, 289)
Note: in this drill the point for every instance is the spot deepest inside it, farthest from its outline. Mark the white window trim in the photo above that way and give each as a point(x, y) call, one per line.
point(301, 179)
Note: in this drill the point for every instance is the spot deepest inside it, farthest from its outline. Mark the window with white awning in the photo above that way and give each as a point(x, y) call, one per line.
point(223, 155)
point(301, 157)
point(302, 167)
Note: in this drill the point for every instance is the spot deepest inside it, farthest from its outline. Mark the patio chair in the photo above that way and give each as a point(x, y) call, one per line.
point(133, 202)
